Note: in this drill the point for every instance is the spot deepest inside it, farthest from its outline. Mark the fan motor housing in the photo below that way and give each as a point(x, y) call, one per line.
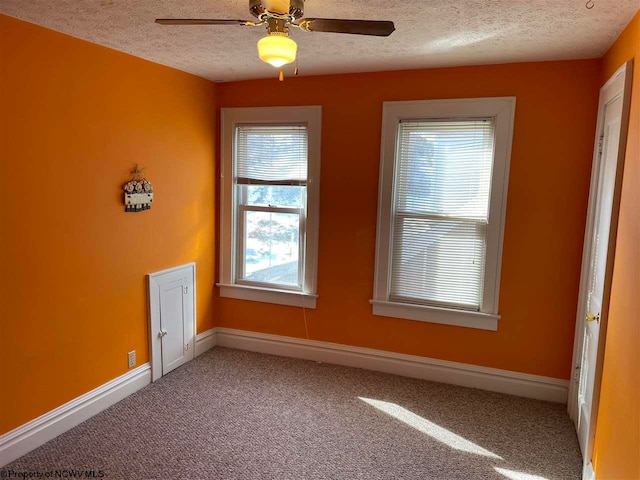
point(296, 8)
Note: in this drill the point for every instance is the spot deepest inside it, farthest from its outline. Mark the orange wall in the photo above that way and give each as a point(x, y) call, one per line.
point(76, 117)
point(546, 209)
point(617, 445)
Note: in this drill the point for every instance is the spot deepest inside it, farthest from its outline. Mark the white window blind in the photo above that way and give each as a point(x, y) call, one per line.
point(271, 155)
point(441, 212)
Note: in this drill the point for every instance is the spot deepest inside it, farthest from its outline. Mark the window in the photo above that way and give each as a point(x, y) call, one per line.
point(270, 186)
point(442, 199)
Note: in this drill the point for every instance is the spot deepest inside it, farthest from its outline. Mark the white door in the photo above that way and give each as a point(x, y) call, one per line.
point(597, 256)
point(174, 333)
point(598, 263)
point(172, 312)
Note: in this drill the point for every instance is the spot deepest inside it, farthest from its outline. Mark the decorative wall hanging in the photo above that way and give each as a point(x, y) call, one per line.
point(138, 192)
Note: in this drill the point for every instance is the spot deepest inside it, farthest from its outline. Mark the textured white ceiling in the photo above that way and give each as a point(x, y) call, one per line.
point(429, 33)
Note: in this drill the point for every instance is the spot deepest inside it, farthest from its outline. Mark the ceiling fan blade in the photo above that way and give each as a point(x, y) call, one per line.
point(199, 21)
point(380, 28)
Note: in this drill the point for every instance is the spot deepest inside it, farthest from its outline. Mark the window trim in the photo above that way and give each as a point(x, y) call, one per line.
point(311, 116)
point(503, 110)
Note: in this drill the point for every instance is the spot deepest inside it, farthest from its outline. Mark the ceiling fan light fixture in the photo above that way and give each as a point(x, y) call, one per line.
point(277, 49)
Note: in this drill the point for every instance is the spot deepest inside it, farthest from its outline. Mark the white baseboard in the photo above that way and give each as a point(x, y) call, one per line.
point(588, 473)
point(37, 432)
point(492, 379)
point(205, 341)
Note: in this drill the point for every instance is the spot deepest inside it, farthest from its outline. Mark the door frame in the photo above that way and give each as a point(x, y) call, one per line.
point(155, 342)
point(618, 84)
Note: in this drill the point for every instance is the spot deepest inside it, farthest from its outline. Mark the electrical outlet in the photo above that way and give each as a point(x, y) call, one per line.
point(131, 356)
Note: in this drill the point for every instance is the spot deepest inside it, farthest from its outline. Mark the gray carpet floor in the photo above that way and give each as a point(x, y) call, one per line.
point(231, 414)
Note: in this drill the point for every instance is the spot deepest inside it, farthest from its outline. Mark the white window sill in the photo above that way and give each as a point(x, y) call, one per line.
point(447, 316)
point(268, 295)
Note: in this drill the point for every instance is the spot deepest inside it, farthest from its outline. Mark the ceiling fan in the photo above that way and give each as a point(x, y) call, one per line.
point(278, 16)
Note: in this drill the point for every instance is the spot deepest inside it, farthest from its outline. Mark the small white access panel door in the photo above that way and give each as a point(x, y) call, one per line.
point(174, 317)
point(172, 308)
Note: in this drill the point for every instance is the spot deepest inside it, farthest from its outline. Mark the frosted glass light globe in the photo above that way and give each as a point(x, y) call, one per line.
point(277, 49)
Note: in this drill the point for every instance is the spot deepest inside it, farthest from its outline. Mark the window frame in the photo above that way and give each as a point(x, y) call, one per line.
point(502, 109)
point(230, 254)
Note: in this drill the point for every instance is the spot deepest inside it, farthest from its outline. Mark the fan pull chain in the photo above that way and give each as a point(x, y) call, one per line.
point(281, 76)
point(295, 70)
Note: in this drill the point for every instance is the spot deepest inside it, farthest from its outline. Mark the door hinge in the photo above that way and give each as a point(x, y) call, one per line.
point(186, 347)
point(185, 289)
point(600, 144)
point(576, 374)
